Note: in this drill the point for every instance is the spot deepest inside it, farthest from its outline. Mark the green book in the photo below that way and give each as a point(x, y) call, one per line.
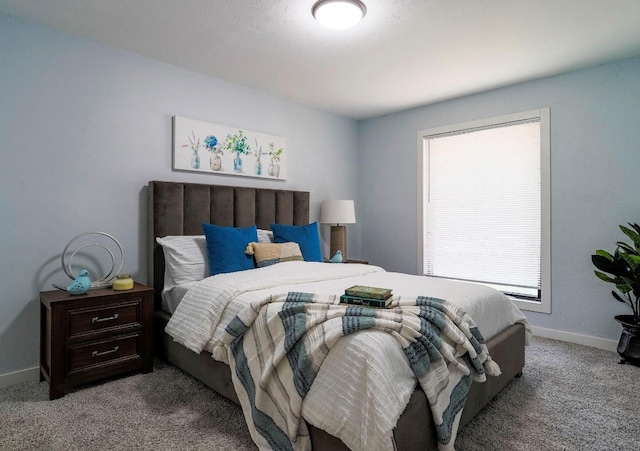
point(367, 302)
point(368, 292)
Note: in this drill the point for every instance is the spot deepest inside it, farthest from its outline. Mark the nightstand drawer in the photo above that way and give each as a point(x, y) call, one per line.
point(84, 322)
point(101, 353)
point(100, 334)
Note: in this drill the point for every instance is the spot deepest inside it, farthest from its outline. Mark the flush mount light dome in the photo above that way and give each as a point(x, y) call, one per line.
point(339, 14)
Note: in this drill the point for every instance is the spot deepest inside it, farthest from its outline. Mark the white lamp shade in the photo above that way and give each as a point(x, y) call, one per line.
point(338, 212)
point(339, 14)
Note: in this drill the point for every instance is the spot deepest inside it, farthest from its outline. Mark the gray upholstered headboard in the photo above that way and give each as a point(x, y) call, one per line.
point(181, 208)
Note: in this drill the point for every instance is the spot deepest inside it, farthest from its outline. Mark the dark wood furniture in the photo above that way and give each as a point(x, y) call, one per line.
point(181, 208)
point(350, 260)
point(92, 336)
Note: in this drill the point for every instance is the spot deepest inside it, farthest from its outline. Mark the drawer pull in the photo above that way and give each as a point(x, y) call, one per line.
point(96, 353)
point(97, 319)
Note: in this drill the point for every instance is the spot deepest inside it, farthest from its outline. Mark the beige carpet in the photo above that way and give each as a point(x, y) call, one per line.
point(570, 398)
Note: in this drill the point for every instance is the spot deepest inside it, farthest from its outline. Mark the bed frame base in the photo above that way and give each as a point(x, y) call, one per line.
point(410, 434)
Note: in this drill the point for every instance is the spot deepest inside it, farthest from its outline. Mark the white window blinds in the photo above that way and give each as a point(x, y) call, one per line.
point(482, 211)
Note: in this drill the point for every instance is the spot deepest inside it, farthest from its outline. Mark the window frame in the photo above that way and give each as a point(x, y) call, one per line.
point(543, 115)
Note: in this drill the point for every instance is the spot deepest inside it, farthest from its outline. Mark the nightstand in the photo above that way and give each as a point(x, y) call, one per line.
point(95, 335)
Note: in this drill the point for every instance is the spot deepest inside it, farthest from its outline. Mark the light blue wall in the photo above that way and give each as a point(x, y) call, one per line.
point(84, 127)
point(595, 163)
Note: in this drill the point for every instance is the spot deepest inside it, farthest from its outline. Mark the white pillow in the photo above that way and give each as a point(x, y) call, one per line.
point(265, 236)
point(185, 259)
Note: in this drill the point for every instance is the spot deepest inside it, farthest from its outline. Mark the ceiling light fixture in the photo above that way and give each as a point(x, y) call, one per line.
point(339, 14)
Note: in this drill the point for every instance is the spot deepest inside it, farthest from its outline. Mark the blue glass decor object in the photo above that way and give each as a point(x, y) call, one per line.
point(81, 284)
point(237, 164)
point(194, 145)
point(237, 143)
point(195, 160)
point(337, 258)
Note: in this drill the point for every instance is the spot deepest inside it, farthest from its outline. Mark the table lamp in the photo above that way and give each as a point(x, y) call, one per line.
point(338, 212)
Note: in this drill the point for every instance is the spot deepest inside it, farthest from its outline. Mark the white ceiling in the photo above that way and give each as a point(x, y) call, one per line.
point(405, 53)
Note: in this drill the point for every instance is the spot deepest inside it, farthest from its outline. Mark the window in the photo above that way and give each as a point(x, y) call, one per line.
point(484, 205)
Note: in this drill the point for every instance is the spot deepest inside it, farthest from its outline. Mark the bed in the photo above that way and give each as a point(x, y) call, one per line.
point(180, 209)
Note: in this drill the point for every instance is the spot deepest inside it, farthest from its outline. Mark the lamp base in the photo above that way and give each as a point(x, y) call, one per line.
point(338, 241)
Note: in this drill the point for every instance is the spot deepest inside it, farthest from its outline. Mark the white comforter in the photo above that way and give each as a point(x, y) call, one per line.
point(365, 382)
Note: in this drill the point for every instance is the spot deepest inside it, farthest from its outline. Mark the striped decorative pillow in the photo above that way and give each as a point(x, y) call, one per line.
point(266, 254)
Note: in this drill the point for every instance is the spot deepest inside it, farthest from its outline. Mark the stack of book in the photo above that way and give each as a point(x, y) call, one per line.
point(369, 296)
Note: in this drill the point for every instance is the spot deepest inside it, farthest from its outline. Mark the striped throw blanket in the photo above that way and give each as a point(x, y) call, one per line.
point(275, 348)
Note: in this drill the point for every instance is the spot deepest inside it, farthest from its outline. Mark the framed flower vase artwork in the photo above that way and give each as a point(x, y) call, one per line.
point(220, 149)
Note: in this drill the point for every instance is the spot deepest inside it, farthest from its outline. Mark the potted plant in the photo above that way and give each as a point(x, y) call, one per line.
point(622, 268)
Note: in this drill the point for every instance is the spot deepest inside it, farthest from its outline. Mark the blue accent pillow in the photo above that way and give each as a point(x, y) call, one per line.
point(306, 236)
point(226, 247)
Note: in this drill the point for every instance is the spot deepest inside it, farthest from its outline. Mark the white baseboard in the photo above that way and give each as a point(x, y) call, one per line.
point(9, 379)
point(570, 337)
point(33, 374)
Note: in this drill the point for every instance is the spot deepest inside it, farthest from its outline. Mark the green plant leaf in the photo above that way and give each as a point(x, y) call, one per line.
point(617, 267)
point(604, 254)
point(619, 298)
point(635, 237)
point(623, 288)
point(603, 276)
point(633, 264)
point(633, 283)
point(602, 263)
point(627, 248)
